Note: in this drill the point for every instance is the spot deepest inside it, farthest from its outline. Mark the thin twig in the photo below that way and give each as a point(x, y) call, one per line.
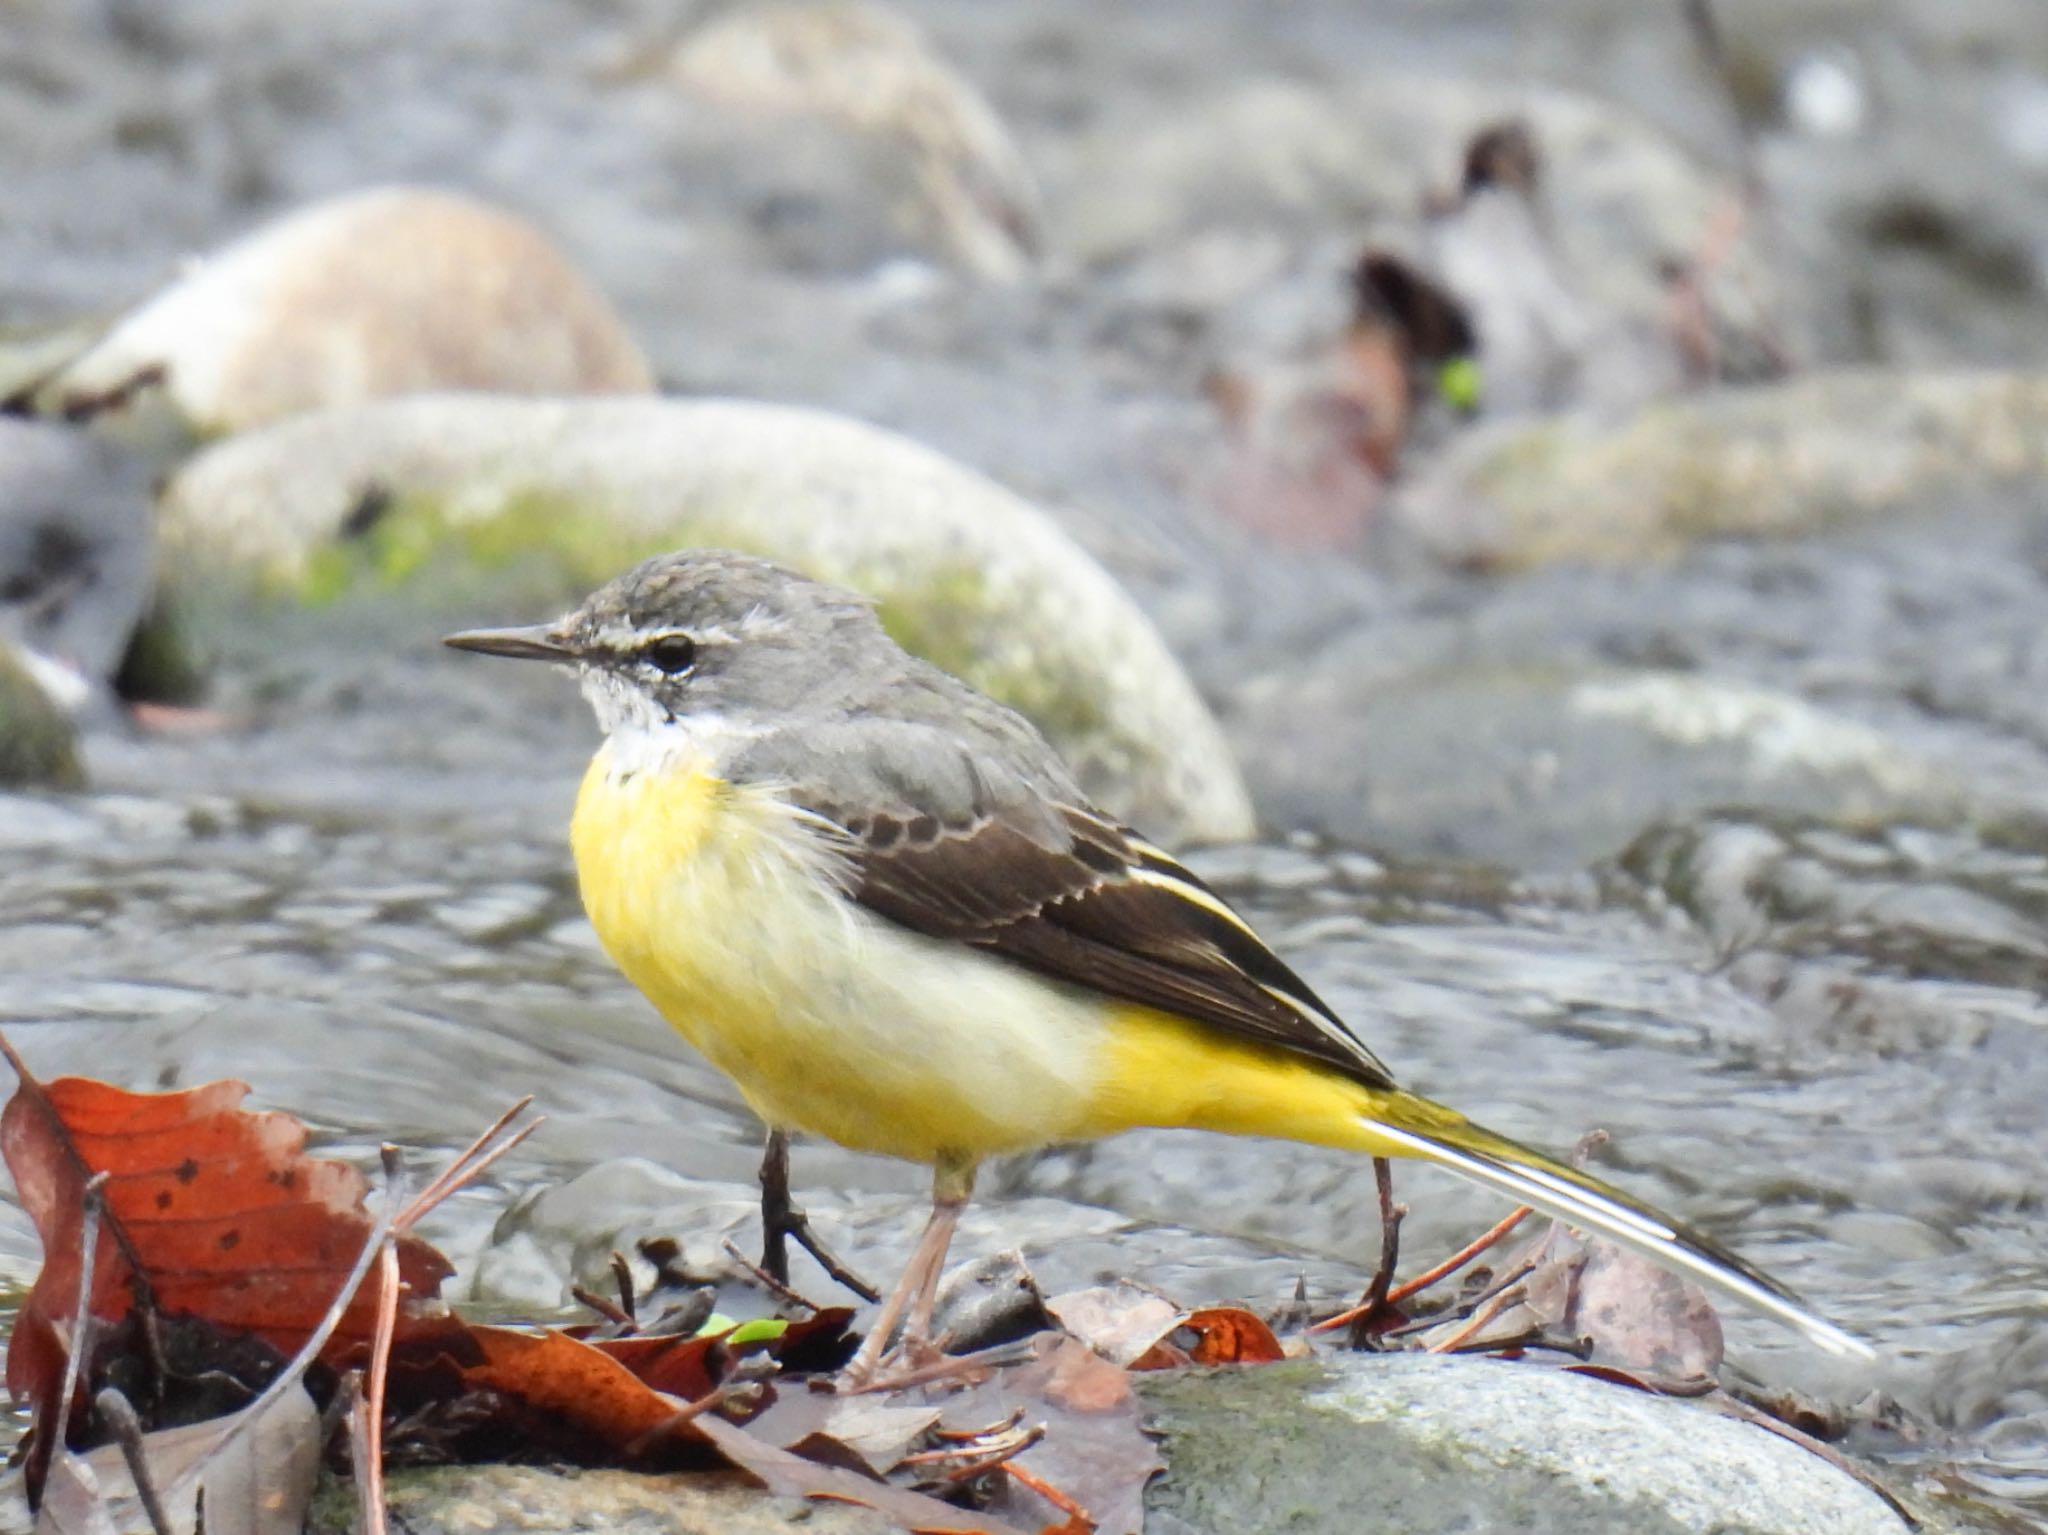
point(1521, 1270)
point(1495, 1305)
point(79, 1346)
point(1002, 1454)
point(622, 1276)
point(762, 1277)
point(1375, 1298)
point(1428, 1277)
point(372, 1475)
point(1462, 1256)
point(1051, 1494)
point(610, 1310)
point(119, 1417)
point(689, 1412)
point(469, 1165)
point(369, 1507)
point(993, 1357)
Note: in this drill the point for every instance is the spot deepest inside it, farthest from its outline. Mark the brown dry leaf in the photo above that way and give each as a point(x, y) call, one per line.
point(1120, 1321)
point(212, 1212)
point(791, 1476)
point(1645, 1320)
point(260, 1484)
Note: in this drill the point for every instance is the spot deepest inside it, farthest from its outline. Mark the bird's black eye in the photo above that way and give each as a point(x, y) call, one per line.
point(672, 653)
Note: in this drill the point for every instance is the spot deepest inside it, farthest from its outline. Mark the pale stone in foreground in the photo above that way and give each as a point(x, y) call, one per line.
point(967, 573)
point(395, 290)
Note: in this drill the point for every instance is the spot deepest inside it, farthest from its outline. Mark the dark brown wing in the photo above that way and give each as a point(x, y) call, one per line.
point(1107, 911)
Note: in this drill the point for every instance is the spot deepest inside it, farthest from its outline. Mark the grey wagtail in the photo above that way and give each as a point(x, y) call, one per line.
point(876, 899)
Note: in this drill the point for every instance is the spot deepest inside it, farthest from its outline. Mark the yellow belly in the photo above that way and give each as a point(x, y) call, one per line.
point(716, 901)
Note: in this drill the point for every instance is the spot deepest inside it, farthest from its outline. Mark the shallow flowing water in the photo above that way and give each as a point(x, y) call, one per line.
point(1819, 1037)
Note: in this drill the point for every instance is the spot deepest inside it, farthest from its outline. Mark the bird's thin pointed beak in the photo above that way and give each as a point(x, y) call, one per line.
point(535, 642)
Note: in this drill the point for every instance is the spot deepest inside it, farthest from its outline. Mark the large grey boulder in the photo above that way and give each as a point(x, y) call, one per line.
point(966, 573)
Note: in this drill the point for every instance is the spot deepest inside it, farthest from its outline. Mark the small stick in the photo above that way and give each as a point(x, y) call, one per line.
point(82, 1319)
point(369, 1509)
point(1000, 1455)
point(1051, 1494)
point(1521, 1270)
point(470, 1165)
point(610, 1310)
point(969, 1435)
point(781, 1219)
point(953, 1364)
point(1443, 1270)
point(717, 1396)
point(1499, 1302)
point(1368, 1308)
point(622, 1276)
point(1462, 1256)
point(120, 1419)
point(775, 1287)
point(380, 1349)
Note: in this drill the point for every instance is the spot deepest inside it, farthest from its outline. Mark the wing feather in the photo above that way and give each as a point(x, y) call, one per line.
point(1109, 913)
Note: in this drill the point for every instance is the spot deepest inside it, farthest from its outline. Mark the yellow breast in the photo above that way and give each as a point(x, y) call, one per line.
point(726, 907)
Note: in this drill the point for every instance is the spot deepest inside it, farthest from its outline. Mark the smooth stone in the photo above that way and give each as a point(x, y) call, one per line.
point(1541, 767)
point(1806, 456)
point(967, 574)
point(460, 1500)
point(1418, 1444)
point(313, 310)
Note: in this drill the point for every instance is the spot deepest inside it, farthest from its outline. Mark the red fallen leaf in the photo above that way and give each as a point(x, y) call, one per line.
point(212, 1211)
point(570, 1395)
point(1221, 1335)
point(682, 1366)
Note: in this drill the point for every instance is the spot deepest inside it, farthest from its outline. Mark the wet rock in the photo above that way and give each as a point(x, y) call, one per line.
point(37, 742)
point(864, 68)
point(1418, 1444)
point(1544, 766)
point(390, 291)
point(77, 554)
point(456, 1500)
point(1801, 457)
point(1623, 204)
point(968, 574)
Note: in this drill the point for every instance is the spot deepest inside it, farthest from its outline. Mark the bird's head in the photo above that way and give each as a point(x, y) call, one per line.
point(705, 639)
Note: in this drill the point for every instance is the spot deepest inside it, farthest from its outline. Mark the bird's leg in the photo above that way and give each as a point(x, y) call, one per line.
point(781, 1220)
point(917, 1289)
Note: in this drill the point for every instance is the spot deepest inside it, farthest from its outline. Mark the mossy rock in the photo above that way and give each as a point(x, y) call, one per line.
point(1816, 453)
point(446, 493)
point(1419, 1443)
point(38, 746)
